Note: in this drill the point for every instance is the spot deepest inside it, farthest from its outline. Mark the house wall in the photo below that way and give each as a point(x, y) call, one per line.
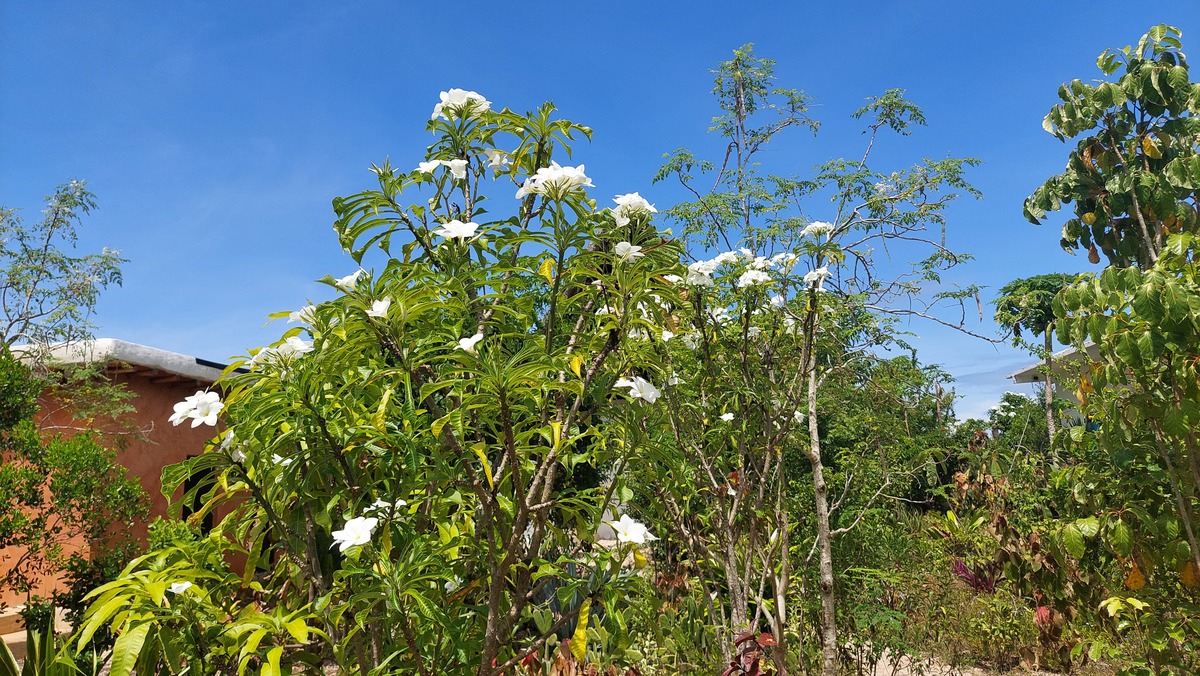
point(143, 455)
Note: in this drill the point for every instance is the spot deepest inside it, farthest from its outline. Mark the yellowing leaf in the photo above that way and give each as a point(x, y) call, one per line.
point(1135, 580)
point(487, 466)
point(1089, 218)
point(579, 639)
point(546, 269)
point(639, 559)
point(577, 365)
point(1150, 147)
point(1188, 575)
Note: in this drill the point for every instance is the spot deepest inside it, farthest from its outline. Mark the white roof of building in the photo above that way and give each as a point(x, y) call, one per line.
point(113, 350)
point(1033, 373)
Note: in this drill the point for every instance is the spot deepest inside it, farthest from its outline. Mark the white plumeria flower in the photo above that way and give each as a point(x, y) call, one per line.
point(281, 461)
point(797, 416)
point(753, 332)
point(674, 279)
point(497, 159)
point(357, 531)
point(697, 278)
point(720, 315)
point(456, 102)
point(731, 492)
point(202, 408)
point(785, 260)
point(555, 180)
point(379, 308)
point(385, 506)
point(452, 585)
point(674, 380)
point(727, 417)
point(762, 263)
point(304, 315)
point(753, 277)
point(727, 257)
point(816, 229)
point(179, 587)
point(667, 335)
point(778, 301)
point(458, 168)
point(639, 388)
point(235, 452)
point(348, 282)
point(469, 344)
point(630, 204)
point(294, 346)
point(428, 167)
point(456, 229)
point(626, 252)
point(706, 268)
point(631, 530)
point(817, 277)
point(691, 339)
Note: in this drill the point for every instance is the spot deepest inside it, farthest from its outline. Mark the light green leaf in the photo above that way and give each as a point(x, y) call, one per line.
point(127, 649)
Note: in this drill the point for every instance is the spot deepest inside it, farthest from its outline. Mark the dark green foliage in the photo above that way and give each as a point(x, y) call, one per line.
point(1027, 303)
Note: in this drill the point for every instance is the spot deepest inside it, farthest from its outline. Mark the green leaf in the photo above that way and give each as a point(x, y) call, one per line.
point(1088, 527)
point(127, 649)
point(1120, 538)
point(271, 667)
point(1072, 540)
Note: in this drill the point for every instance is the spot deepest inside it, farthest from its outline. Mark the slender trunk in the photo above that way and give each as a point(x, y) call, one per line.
point(779, 624)
point(824, 540)
point(1182, 500)
point(1050, 426)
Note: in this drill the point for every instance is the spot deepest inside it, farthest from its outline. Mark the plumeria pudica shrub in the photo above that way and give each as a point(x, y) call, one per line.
point(418, 471)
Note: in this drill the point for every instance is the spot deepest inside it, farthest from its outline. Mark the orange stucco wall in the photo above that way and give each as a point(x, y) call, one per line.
point(160, 444)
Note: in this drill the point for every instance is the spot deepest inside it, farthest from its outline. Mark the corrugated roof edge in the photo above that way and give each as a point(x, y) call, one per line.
point(112, 349)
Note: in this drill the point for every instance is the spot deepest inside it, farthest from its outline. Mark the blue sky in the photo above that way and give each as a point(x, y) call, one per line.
point(215, 134)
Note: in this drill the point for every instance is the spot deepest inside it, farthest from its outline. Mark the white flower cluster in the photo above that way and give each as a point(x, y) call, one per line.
point(817, 277)
point(292, 348)
point(304, 315)
point(629, 205)
point(631, 530)
point(555, 180)
point(640, 388)
point(700, 273)
point(458, 167)
point(816, 229)
point(201, 408)
point(456, 229)
point(460, 103)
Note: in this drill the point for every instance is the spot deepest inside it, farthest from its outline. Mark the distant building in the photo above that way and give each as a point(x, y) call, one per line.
point(1067, 364)
point(158, 379)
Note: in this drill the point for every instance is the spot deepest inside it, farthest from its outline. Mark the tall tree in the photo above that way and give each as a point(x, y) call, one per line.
point(844, 286)
point(47, 293)
point(1028, 304)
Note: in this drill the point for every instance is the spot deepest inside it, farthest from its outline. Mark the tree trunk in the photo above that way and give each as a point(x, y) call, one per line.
point(1050, 424)
point(824, 543)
